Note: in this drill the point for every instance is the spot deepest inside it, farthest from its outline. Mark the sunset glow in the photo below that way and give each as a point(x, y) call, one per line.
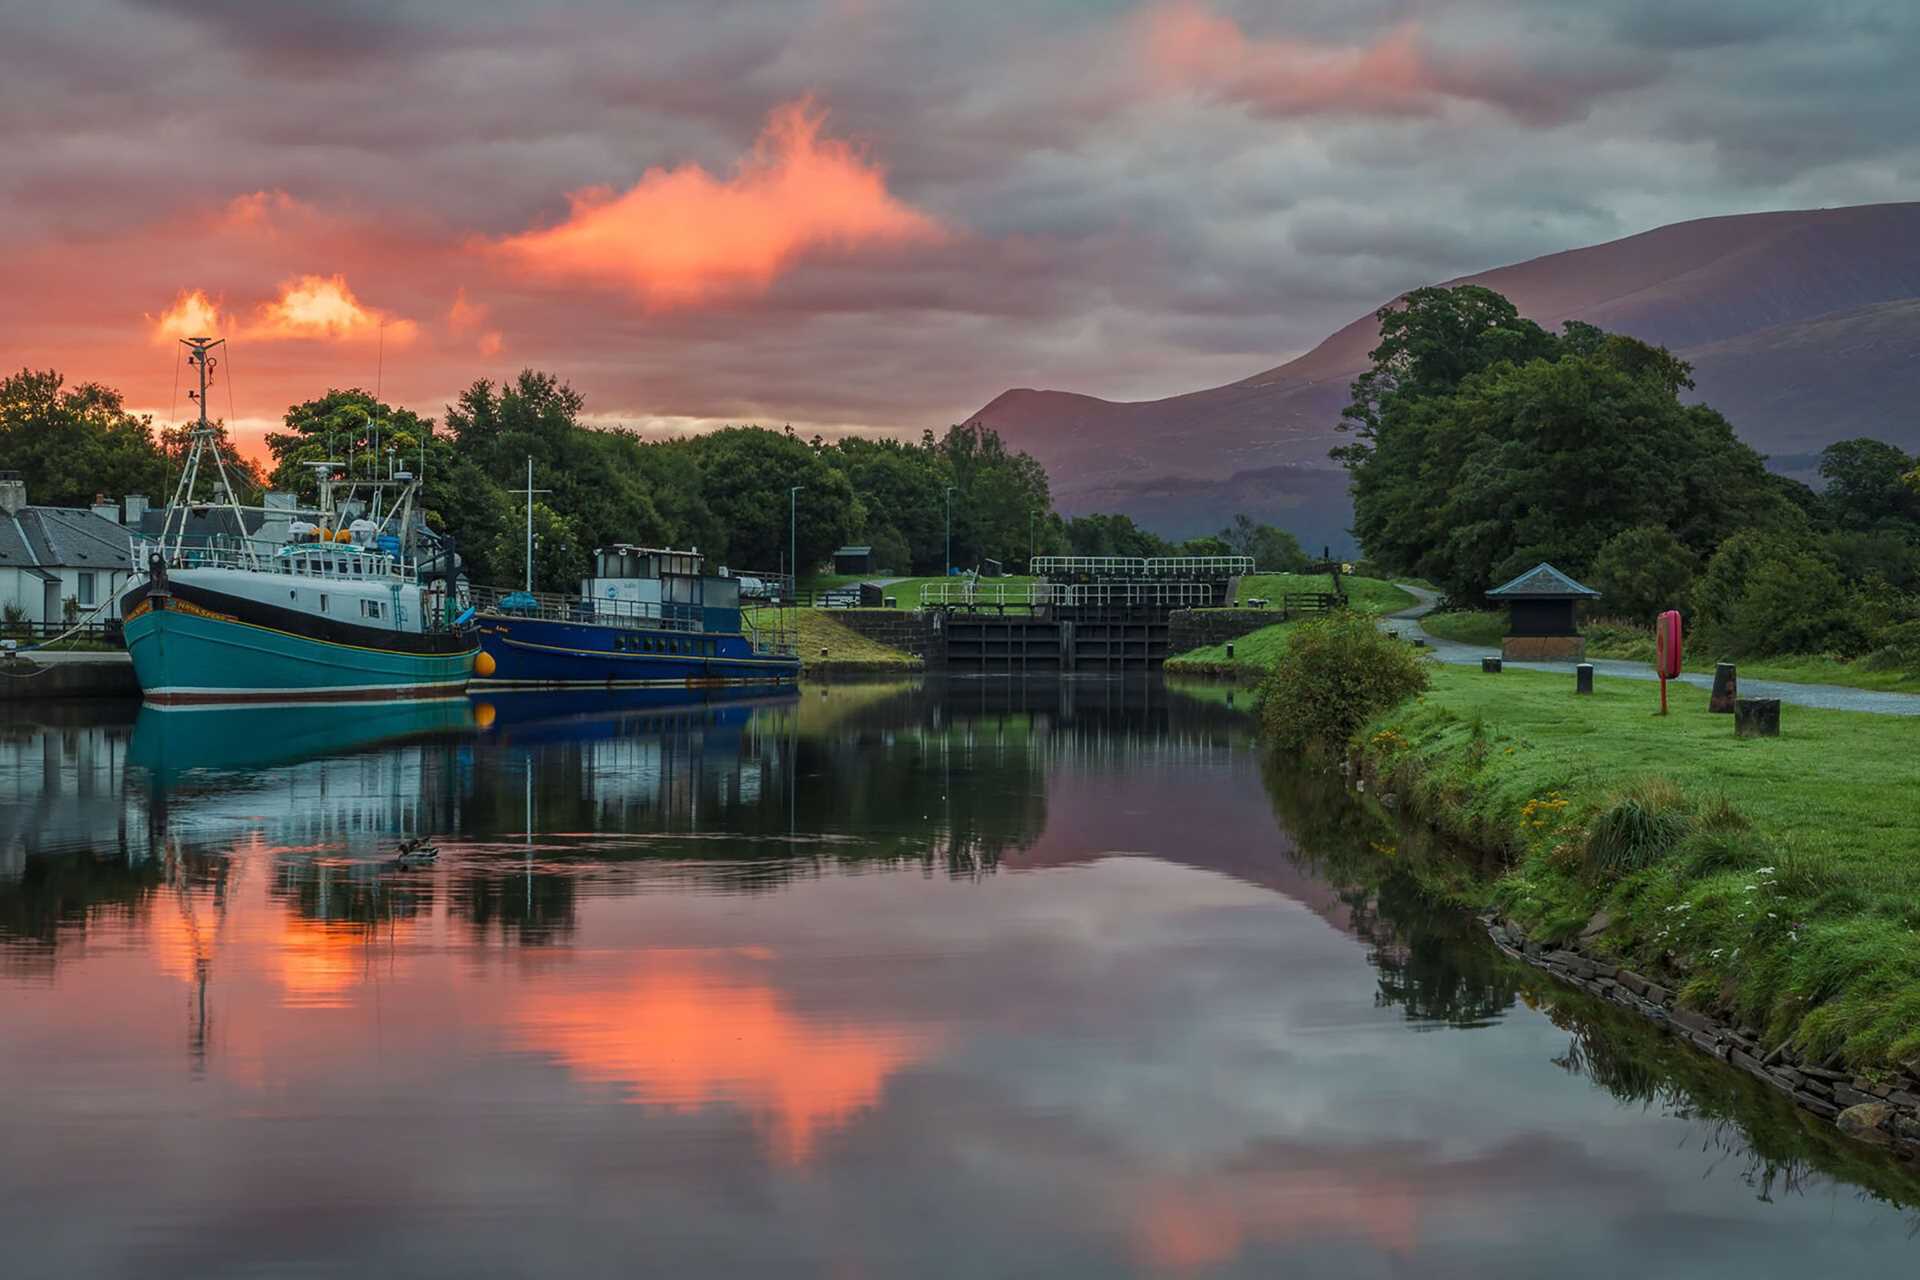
point(680, 235)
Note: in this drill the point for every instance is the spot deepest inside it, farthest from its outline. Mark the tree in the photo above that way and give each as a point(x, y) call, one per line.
point(1111, 535)
point(1866, 487)
point(1643, 570)
point(997, 493)
point(748, 474)
point(890, 551)
point(1542, 458)
point(902, 488)
point(71, 443)
point(1273, 550)
point(1763, 594)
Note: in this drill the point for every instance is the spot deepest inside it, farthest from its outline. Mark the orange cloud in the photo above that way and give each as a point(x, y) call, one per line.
point(309, 307)
point(682, 1038)
point(192, 315)
point(681, 235)
point(1187, 46)
point(1210, 1218)
point(465, 316)
point(322, 307)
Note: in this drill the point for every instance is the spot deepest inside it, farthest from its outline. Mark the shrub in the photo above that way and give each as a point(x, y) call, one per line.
point(1764, 595)
point(1338, 672)
point(1898, 649)
point(1639, 828)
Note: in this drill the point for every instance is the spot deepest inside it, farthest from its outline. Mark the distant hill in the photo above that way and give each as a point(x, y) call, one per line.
point(1803, 328)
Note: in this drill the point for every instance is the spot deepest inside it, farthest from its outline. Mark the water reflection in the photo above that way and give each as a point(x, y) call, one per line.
point(984, 978)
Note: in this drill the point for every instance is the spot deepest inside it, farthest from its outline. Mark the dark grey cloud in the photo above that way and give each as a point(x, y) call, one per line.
point(1111, 231)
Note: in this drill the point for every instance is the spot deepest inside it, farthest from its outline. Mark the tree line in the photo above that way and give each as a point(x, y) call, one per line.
point(1483, 444)
point(726, 492)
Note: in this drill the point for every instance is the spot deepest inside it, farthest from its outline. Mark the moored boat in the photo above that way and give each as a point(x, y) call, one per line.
point(352, 605)
point(647, 616)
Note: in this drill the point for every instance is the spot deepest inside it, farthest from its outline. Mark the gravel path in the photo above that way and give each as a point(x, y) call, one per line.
point(1836, 697)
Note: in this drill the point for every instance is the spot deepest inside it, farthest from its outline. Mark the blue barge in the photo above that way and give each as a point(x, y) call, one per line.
point(648, 616)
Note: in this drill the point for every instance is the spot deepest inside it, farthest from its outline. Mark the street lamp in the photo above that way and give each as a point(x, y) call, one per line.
point(1031, 517)
point(950, 489)
point(793, 535)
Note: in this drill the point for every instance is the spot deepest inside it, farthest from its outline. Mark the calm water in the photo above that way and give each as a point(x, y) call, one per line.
point(877, 981)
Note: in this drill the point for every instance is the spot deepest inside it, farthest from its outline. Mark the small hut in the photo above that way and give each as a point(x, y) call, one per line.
point(853, 560)
point(1541, 625)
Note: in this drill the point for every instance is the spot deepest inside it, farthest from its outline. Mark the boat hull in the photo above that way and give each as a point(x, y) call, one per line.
point(541, 653)
point(188, 654)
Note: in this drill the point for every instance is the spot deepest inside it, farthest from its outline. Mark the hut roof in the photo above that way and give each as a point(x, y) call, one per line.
point(1542, 582)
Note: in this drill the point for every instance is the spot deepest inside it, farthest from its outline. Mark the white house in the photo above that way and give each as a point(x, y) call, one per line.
point(49, 555)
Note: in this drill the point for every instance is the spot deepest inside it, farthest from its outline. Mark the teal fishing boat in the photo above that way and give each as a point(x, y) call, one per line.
point(352, 601)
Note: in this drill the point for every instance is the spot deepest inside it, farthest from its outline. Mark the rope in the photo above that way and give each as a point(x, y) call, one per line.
point(75, 627)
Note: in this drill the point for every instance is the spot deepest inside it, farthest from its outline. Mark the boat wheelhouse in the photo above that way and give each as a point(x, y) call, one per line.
point(646, 616)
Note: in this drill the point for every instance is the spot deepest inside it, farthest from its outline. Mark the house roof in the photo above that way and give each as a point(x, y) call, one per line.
point(854, 551)
point(1543, 582)
point(74, 538)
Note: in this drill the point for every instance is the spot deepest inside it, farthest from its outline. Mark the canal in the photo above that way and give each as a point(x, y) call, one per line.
point(933, 979)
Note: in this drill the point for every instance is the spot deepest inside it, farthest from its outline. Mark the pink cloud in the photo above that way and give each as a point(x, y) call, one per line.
point(680, 236)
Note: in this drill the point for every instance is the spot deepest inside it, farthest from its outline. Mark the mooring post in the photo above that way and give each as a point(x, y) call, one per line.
point(1229, 648)
point(1726, 688)
point(1490, 665)
point(1756, 717)
point(1583, 678)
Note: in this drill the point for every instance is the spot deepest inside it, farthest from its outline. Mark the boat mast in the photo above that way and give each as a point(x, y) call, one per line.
point(529, 491)
point(200, 355)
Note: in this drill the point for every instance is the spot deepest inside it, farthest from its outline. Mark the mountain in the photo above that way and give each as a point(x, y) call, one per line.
point(1803, 328)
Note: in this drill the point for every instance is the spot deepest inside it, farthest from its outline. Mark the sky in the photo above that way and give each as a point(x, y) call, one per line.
point(864, 215)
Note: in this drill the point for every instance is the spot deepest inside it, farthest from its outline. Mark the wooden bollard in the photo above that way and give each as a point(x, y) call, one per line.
point(1756, 717)
point(1419, 642)
point(1583, 678)
point(1229, 648)
point(1490, 666)
point(1726, 689)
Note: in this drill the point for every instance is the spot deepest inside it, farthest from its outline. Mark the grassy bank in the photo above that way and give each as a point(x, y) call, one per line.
point(1775, 881)
point(1255, 653)
point(1611, 638)
point(847, 651)
point(1369, 595)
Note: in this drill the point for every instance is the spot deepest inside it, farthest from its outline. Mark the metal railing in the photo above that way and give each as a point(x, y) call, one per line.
point(313, 560)
point(1184, 567)
point(971, 594)
point(552, 607)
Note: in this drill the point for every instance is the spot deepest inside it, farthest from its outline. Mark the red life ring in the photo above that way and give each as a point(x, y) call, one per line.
point(1666, 645)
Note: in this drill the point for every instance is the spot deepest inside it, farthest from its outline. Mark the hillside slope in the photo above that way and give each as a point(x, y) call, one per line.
point(1804, 328)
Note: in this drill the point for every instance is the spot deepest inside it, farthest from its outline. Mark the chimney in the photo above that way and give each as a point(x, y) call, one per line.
point(13, 493)
point(136, 508)
point(105, 509)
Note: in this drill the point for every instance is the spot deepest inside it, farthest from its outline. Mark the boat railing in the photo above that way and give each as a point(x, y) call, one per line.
point(770, 639)
point(320, 560)
point(554, 607)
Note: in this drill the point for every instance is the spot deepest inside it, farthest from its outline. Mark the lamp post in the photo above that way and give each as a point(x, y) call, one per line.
point(793, 535)
point(1031, 517)
point(949, 495)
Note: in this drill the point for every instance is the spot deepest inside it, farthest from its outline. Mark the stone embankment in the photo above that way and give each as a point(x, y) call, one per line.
point(917, 633)
point(49, 676)
point(1883, 1112)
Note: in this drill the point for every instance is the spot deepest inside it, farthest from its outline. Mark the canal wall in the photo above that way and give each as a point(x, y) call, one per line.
point(910, 632)
point(1197, 628)
point(1883, 1112)
point(42, 677)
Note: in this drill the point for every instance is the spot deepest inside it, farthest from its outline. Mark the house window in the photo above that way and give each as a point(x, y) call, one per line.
point(85, 589)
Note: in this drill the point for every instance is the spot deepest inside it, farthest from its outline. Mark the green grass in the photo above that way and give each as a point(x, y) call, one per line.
point(846, 649)
point(1369, 595)
point(1468, 626)
point(1774, 880)
point(1254, 654)
point(1612, 638)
